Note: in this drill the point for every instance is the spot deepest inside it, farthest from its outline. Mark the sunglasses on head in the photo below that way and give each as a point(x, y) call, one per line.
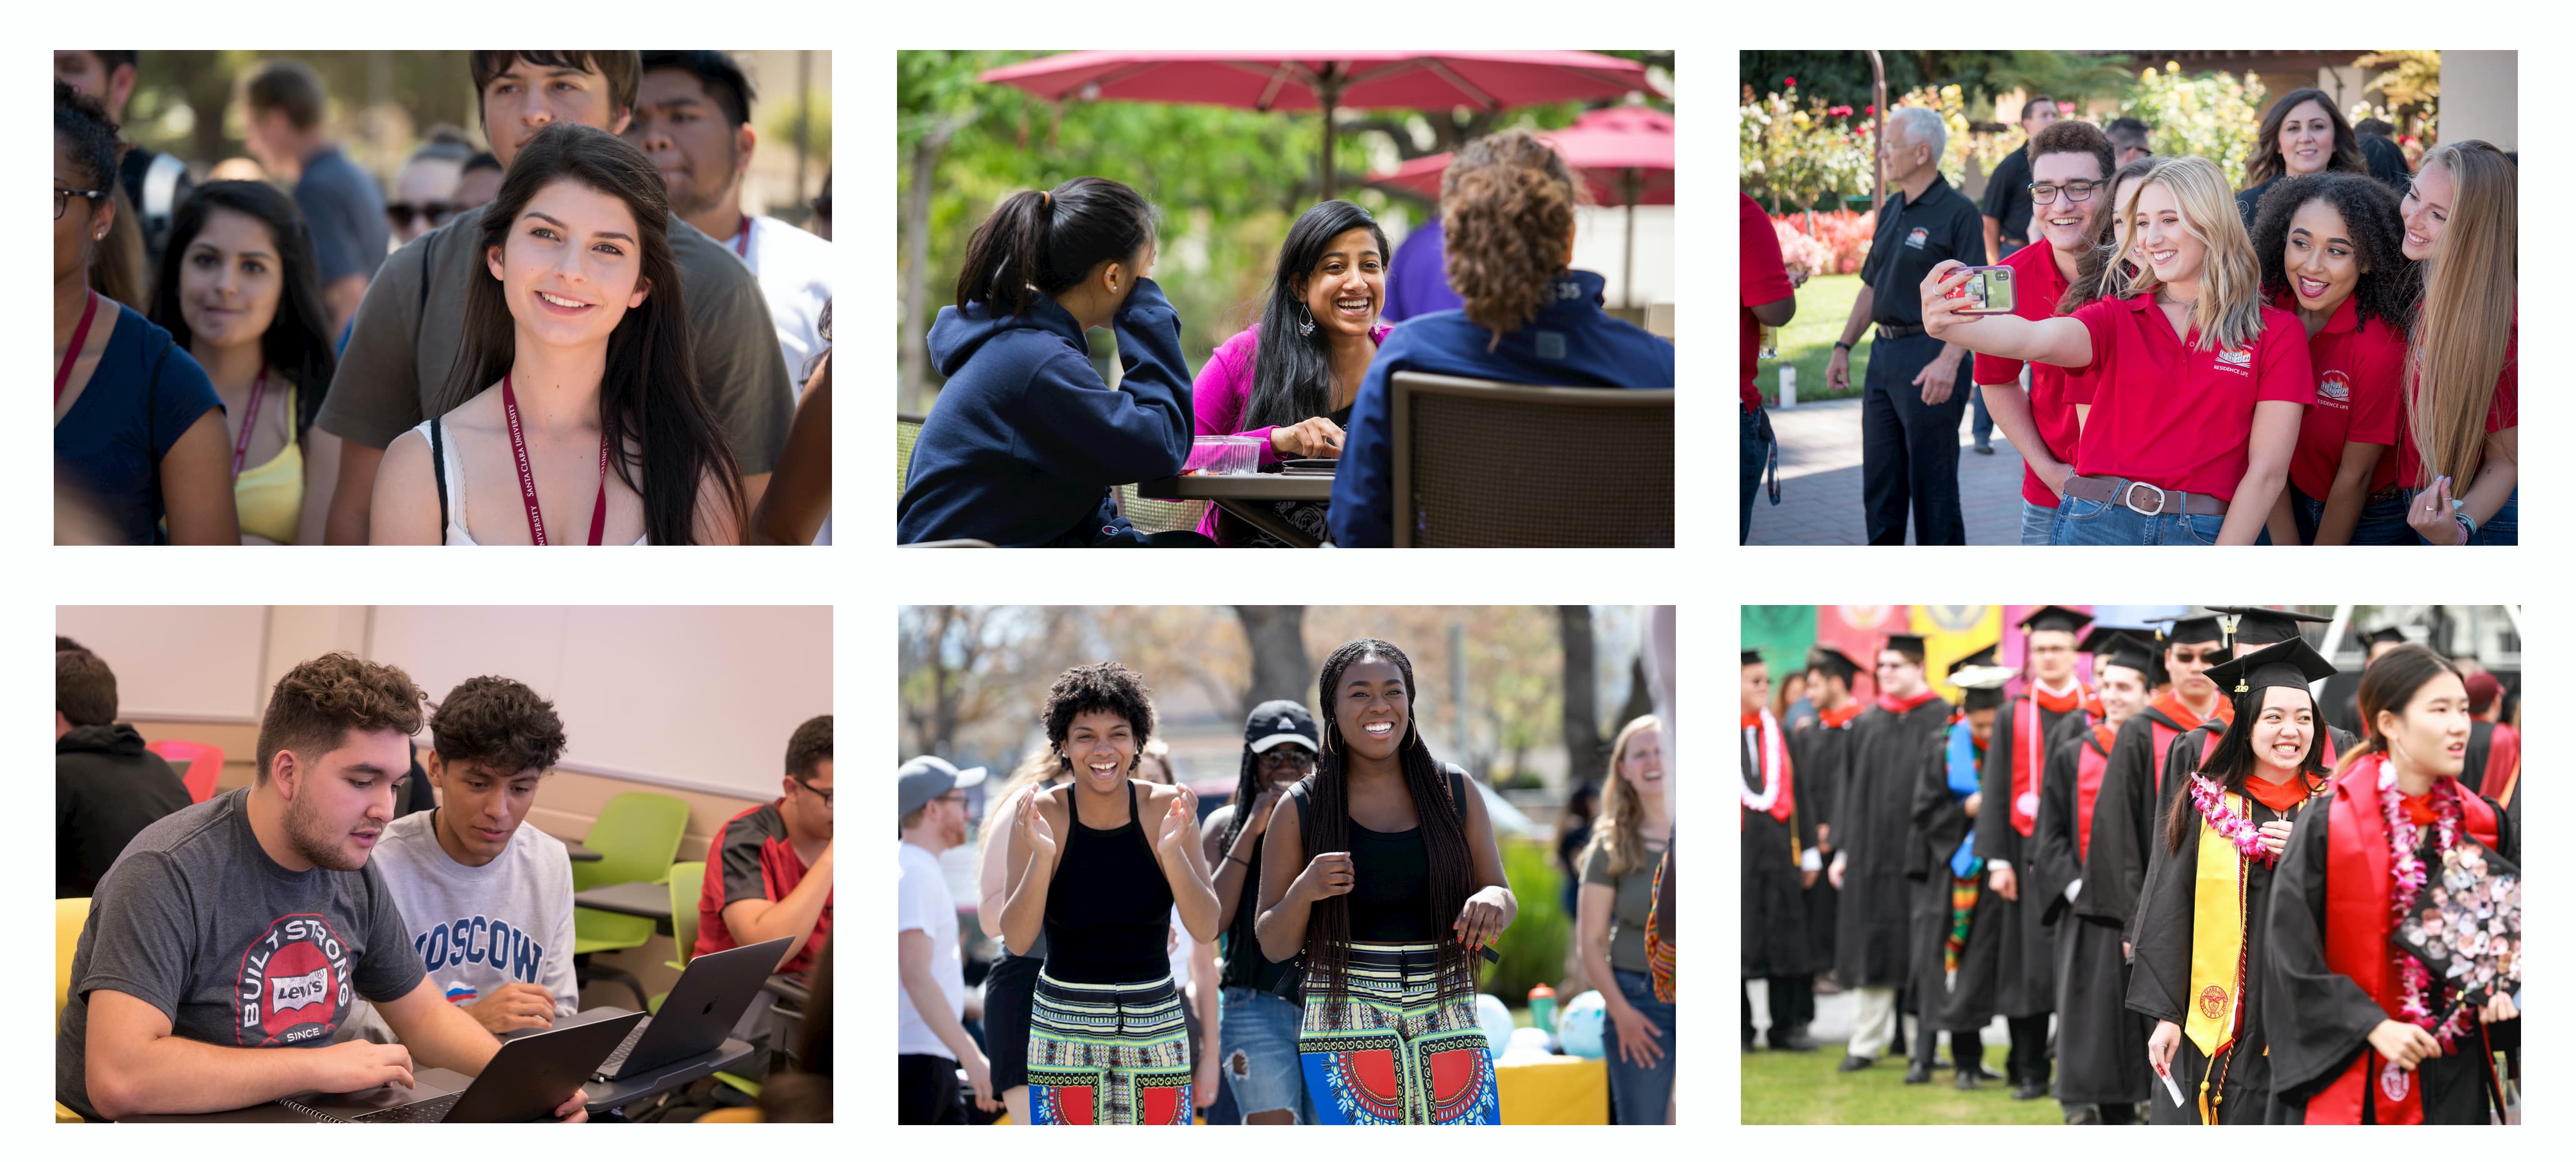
point(434, 213)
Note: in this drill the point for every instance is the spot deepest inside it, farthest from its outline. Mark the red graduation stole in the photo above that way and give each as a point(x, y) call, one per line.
point(2173, 708)
point(2358, 881)
point(2029, 757)
point(1763, 733)
point(2090, 761)
point(1838, 719)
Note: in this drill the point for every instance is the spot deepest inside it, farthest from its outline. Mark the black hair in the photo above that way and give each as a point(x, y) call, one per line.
point(2373, 127)
point(1292, 374)
point(2129, 128)
point(298, 341)
point(290, 87)
point(446, 143)
point(62, 643)
point(1047, 241)
point(2387, 291)
point(499, 723)
point(484, 160)
point(83, 129)
point(84, 688)
point(1107, 686)
point(716, 72)
point(109, 58)
point(1443, 823)
point(616, 66)
point(2034, 104)
point(2389, 684)
point(2233, 760)
point(2265, 164)
point(649, 397)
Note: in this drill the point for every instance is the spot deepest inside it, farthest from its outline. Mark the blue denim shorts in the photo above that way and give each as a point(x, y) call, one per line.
point(1639, 1095)
point(1262, 1027)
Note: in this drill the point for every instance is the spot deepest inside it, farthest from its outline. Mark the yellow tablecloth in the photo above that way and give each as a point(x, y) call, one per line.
point(1559, 1091)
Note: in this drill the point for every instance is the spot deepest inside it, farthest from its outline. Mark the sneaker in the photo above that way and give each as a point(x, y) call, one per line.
point(1918, 1073)
point(1985, 449)
point(1967, 1080)
point(1852, 1064)
point(2030, 1091)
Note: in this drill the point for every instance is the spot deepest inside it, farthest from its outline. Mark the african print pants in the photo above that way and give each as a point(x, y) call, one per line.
point(1393, 1048)
point(1108, 1054)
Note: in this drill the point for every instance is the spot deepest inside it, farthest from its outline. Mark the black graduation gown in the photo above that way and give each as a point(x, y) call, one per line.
point(2160, 986)
point(2025, 957)
point(2319, 1017)
point(2182, 761)
point(1821, 756)
point(2473, 766)
point(1964, 1000)
point(1775, 907)
point(1873, 826)
point(2124, 817)
point(2101, 1045)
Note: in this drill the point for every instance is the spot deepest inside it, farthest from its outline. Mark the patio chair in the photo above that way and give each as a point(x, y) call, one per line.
point(1160, 516)
point(907, 432)
point(1479, 463)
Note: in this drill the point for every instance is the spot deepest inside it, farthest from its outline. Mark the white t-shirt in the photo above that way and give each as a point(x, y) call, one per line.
point(795, 270)
point(922, 901)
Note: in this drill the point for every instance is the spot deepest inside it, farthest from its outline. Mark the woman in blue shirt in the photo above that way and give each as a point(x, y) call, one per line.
point(138, 432)
point(1507, 215)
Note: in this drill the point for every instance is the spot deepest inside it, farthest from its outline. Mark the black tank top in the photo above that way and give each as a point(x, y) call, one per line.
point(1390, 896)
point(1109, 909)
point(1245, 966)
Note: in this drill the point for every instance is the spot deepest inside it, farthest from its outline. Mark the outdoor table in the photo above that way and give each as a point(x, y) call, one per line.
point(643, 898)
point(581, 854)
point(1245, 497)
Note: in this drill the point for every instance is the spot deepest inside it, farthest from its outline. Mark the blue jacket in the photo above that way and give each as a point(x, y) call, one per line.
point(1571, 343)
point(1026, 442)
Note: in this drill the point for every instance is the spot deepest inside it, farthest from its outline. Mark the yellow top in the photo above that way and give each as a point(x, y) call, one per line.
point(271, 496)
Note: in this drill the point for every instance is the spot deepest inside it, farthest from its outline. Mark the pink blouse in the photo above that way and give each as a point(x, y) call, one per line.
point(1224, 389)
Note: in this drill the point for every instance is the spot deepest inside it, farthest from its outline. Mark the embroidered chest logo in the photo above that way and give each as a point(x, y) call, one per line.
point(2334, 389)
point(2240, 362)
point(1916, 239)
point(2213, 1001)
point(294, 983)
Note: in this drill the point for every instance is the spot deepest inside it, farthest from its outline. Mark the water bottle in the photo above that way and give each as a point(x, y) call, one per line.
point(1542, 1001)
point(1788, 386)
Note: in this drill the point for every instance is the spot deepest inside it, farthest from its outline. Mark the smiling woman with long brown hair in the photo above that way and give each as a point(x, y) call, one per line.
point(1628, 843)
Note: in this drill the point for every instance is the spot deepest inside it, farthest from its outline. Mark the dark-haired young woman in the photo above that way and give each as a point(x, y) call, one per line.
point(1096, 867)
point(240, 294)
point(1385, 876)
point(573, 414)
point(1261, 1014)
point(1294, 393)
point(2202, 949)
point(2361, 1033)
point(2303, 134)
point(2330, 244)
point(1507, 216)
point(1027, 443)
point(137, 429)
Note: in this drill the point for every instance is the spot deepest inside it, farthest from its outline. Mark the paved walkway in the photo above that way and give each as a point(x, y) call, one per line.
point(1820, 498)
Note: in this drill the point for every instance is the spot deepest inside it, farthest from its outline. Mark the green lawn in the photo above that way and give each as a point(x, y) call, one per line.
point(1823, 305)
point(1803, 1089)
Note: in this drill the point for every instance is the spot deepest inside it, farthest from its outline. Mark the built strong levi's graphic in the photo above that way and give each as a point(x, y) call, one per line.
point(294, 983)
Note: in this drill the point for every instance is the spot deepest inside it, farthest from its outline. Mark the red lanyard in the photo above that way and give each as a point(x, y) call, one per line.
point(742, 240)
point(80, 336)
point(250, 419)
point(528, 480)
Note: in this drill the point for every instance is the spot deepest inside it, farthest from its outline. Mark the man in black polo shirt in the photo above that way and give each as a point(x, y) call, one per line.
point(1910, 410)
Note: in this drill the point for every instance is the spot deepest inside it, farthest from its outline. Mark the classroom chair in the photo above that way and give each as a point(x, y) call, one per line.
point(199, 765)
point(687, 881)
point(70, 916)
point(636, 836)
point(1504, 464)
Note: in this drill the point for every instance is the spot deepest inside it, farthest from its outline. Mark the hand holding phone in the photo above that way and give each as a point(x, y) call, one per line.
point(1988, 289)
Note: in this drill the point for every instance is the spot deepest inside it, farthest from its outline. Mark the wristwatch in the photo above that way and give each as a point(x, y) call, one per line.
point(1839, 345)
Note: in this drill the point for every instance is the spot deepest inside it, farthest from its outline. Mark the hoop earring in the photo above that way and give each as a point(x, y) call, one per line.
point(1307, 327)
point(1329, 732)
point(1408, 735)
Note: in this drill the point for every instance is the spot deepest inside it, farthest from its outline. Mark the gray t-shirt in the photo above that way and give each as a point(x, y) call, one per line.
point(478, 928)
point(1635, 897)
point(345, 213)
point(197, 921)
point(405, 337)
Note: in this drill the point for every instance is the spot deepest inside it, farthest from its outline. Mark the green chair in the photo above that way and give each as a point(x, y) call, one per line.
point(636, 836)
point(687, 881)
point(907, 432)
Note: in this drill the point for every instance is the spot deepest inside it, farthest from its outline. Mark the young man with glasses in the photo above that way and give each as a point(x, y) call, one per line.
point(2070, 167)
point(769, 869)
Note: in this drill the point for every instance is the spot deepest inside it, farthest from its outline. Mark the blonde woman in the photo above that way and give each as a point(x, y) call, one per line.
point(1610, 924)
point(2191, 388)
point(2458, 438)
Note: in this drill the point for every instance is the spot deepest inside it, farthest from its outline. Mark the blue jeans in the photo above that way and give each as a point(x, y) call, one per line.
point(1754, 444)
point(2094, 522)
point(1982, 425)
point(1640, 1095)
point(1262, 1028)
point(1909, 450)
point(2500, 529)
point(2382, 523)
point(2035, 523)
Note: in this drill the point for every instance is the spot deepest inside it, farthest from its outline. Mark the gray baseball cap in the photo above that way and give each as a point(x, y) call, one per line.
point(927, 777)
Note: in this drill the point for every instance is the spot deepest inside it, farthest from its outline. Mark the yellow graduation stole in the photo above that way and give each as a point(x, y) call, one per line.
point(2217, 950)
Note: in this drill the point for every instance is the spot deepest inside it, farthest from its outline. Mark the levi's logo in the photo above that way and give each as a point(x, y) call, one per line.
point(2334, 388)
point(295, 992)
point(2240, 362)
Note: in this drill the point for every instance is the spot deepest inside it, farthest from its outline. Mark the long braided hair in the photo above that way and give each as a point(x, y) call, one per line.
point(1443, 825)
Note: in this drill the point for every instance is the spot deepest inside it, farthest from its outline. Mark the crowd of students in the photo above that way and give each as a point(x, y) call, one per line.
point(677, 348)
point(333, 927)
point(2323, 360)
point(2190, 865)
point(1026, 445)
point(1310, 943)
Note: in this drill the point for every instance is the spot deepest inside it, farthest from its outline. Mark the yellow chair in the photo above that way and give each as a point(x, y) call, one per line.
point(70, 916)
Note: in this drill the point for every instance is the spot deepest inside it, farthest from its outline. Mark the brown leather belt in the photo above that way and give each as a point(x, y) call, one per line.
point(2143, 498)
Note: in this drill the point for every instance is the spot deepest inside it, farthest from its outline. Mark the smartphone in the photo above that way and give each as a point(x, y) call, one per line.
point(1990, 288)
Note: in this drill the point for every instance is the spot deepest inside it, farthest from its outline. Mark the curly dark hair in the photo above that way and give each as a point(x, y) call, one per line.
point(87, 134)
point(317, 703)
point(84, 688)
point(810, 745)
point(2388, 286)
point(1107, 686)
point(497, 723)
point(1506, 209)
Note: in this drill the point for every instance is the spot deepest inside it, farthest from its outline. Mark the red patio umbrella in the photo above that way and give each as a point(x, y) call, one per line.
point(1624, 154)
point(1287, 82)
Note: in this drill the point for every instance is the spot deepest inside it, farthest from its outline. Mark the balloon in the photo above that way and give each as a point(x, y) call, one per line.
point(1526, 1045)
point(1579, 1030)
point(1497, 1020)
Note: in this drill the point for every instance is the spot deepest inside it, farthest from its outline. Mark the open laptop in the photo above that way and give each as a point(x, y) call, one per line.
point(700, 1010)
point(525, 1081)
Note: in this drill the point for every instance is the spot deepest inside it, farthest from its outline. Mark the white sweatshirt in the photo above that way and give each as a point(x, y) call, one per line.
point(476, 928)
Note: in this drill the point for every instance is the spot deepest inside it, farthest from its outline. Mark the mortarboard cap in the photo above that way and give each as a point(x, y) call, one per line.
point(2118, 647)
point(1983, 657)
point(1752, 657)
point(2284, 663)
point(1835, 663)
point(2192, 630)
point(2386, 633)
point(1909, 644)
point(1982, 679)
point(2254, 625)
point(2056, 617)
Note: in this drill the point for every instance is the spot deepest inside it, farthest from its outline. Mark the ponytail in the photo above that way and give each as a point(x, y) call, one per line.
point(1039, 242)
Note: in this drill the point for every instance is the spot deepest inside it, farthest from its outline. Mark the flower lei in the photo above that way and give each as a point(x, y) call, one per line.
point(2239, 830)
point(2415, 983)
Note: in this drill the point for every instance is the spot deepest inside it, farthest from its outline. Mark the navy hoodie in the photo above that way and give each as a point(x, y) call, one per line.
point(1026, 443)
point(1571, 343)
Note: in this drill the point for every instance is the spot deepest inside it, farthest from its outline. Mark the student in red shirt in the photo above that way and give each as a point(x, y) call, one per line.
point(2189, 389)
point(2070, 168)
point(769, 869)
point(1770, 298)
point(2461, 419)
point(2330, 249)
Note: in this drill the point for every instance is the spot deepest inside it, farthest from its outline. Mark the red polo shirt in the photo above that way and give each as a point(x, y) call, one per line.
point(1765, 280)
point(2501, 413)
point(2358, 366)
point(2176, 417)
point(2039, 286)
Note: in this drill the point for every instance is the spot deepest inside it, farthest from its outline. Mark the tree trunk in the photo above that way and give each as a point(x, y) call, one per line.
point(1583, 746)
point(1280, 669)
point(914, 226)
point(1641, 694)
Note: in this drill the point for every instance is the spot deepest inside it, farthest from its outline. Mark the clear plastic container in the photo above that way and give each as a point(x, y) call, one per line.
point(1223, 456)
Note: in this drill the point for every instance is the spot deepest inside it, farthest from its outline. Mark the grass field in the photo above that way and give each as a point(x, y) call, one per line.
point(1823, 306)
point(1803, 1089)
